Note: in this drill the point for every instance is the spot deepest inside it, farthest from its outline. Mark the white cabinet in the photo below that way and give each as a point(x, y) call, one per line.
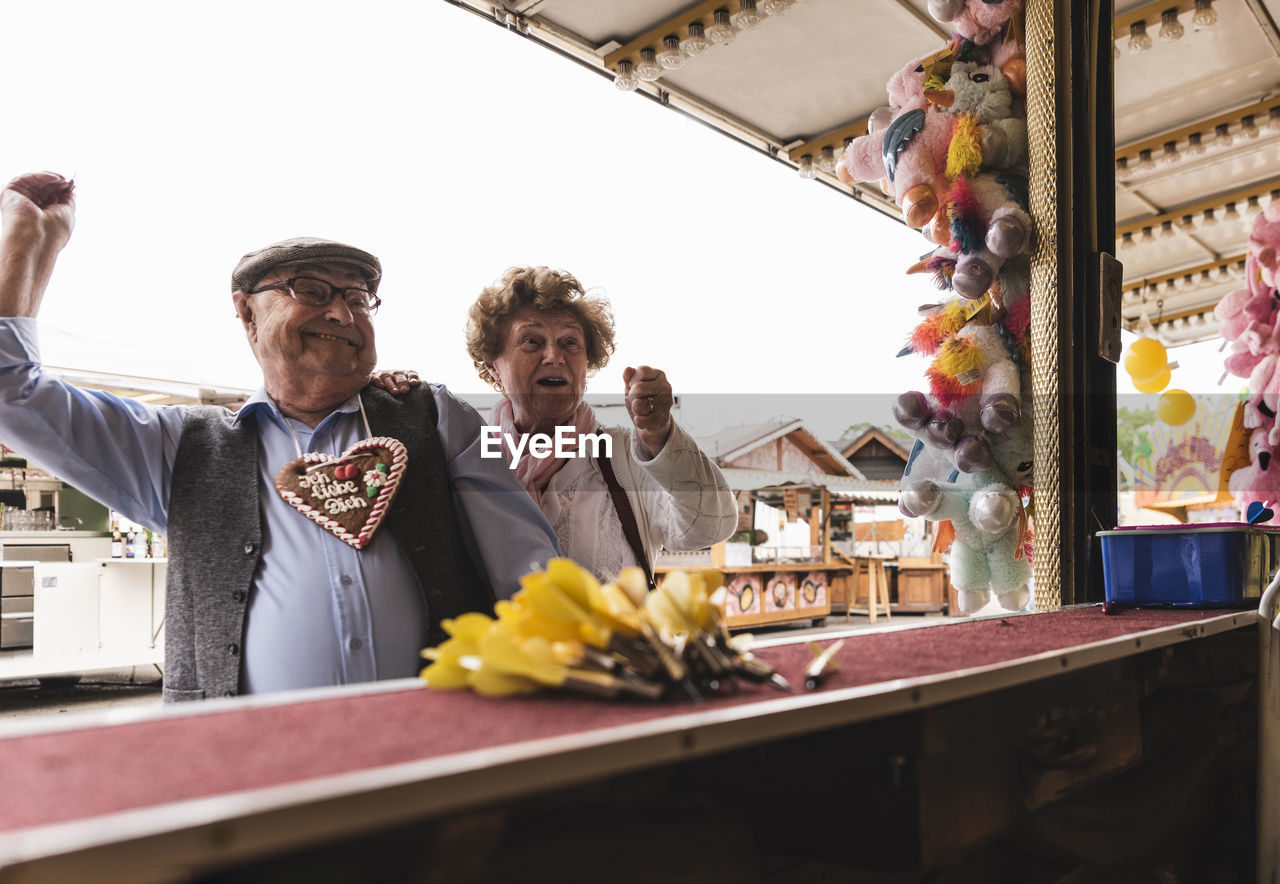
point(88, 615)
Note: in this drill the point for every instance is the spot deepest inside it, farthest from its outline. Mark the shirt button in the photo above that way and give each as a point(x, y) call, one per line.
point(233, 649)
point(249, 547)
point(237, 596)
point(346, 579)
point(356, 644)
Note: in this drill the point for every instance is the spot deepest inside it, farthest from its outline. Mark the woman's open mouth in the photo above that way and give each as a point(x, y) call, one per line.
point(552, 382)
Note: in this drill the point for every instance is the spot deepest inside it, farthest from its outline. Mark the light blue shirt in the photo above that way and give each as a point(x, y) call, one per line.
point(320, 612)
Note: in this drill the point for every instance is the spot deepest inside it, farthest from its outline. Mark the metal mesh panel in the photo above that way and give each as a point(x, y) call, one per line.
point(1042, 137)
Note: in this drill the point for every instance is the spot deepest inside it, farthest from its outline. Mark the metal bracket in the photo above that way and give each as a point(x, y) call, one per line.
point(1110, 278)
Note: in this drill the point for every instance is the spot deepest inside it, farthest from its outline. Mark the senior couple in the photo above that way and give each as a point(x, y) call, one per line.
point(262, 598)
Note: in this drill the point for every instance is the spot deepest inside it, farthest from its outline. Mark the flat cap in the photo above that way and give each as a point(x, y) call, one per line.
point(254, 266)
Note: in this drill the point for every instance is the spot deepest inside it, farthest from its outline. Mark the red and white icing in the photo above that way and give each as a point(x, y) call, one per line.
point(399, 461)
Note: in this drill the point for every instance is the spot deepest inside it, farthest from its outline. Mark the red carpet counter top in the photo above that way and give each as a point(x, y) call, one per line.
point(237, 777)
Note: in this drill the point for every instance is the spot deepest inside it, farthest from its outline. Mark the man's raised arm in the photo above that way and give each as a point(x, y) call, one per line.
point(38, 212)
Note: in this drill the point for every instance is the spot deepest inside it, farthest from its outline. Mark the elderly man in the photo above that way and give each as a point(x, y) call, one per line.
point(260, 596)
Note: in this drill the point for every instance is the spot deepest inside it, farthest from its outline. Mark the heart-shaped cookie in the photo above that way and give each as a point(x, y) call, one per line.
point(348, 496)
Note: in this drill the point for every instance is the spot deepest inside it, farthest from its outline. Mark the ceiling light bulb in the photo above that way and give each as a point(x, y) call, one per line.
point(1206, 16)
point(722, 30)
point(1126, 241)
point(1145, 163)
point(1273, 119)
point(1166, 230)
point(1222, 135)
point(1147, 238)
point(748, 16)
point(1170, 287)
point(1205, 279)
point(1187, 224)
point(626, 81)
point(1230, 215)
point(1188, 281)
point(1170, 154)
point(1252, 209)
point(826, 161)
point(1248, 128)
point(648, 68)
point(696, 43)
point(1170, 28)
point(806, 167)
point(1195, 143)
point(1224, 275)
point(1208, 219)
point(671, 58)
point(1122, 167)
point(1139, 39)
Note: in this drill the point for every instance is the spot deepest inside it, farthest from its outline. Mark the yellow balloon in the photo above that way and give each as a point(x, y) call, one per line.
point(1155, 384)
point(1176, 407)
point(1147, 357)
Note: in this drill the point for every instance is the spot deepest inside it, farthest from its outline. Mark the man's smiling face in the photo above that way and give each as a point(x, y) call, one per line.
point(297, 344)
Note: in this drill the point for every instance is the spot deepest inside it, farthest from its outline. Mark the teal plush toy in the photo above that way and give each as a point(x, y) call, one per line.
point(989, 555)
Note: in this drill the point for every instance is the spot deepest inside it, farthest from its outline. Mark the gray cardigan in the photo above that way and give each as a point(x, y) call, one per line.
point(215, 537)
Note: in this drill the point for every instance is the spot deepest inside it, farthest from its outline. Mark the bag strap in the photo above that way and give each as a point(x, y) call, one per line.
point(626, 516)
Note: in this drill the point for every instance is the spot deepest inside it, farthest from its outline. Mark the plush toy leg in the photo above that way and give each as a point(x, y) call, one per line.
point(1015, 600)
point(919, 205)
point(972, 600)
point(969, 568)
point(973, 277)
point(1008, 232)
point(1001, 412)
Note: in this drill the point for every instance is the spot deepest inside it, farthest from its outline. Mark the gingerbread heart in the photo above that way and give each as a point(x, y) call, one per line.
point(348, 496)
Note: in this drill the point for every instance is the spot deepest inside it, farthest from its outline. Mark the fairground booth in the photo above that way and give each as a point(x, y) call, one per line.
point(1107, 712)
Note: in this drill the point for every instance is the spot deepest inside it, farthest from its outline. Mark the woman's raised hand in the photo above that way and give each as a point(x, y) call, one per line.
point(649, 400)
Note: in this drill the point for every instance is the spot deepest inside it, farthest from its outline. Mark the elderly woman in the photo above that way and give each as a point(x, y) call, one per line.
point(536, 335)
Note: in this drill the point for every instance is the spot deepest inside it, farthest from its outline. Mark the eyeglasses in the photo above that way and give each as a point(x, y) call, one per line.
point(317, 293)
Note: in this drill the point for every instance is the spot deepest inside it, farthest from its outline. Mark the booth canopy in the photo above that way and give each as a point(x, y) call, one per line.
point(810, 77)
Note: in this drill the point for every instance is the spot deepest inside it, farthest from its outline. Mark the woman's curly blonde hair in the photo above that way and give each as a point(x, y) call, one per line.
point(543, 289)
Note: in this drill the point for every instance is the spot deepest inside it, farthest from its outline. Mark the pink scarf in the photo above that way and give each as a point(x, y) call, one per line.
point(535, 472)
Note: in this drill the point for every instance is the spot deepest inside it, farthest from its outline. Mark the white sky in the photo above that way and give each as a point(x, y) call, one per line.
point(452, 149)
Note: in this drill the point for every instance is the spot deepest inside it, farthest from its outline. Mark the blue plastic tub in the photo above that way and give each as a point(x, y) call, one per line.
point(1220, 565)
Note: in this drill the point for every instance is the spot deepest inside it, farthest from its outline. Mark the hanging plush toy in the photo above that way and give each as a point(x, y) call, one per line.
point(995, 26)
point(985, 508)
point(1251, 326)
point(1249, 315)
point(951, 149)
point(907, 153)
point(960, 121)
point(989, 224)
point(1260, 481)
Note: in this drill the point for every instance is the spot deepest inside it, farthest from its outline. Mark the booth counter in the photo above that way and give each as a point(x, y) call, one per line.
point(923, 743)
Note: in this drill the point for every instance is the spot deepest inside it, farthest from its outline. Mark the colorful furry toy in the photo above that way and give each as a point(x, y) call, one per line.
point(951, 127)
point(1260, 481)
point(1249, 315)
point(994, 25)
point(985, 508)
point(989, 224)
point(906, 153)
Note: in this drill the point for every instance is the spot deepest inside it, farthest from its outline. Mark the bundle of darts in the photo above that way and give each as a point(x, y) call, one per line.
point(564, 629)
